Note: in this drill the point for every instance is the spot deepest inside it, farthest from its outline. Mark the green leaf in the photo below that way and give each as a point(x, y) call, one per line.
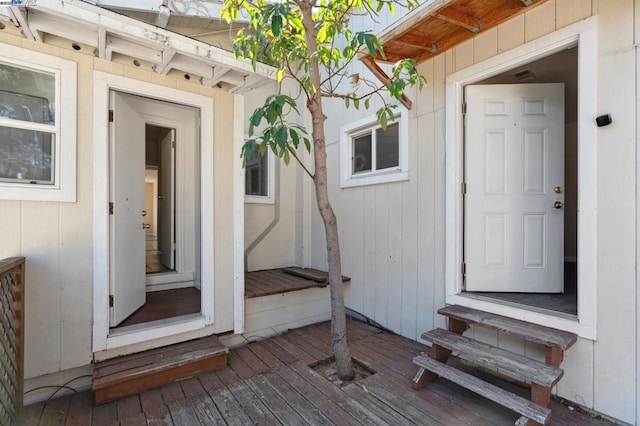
point(276, 25)
point(287, 159)
point(383, 121)
point(307, 144)
point(280, 74)
point(366, 103)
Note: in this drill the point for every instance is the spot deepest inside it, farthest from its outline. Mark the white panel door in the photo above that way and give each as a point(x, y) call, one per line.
point(514, 174)
point(127, 257)
point(166, 201)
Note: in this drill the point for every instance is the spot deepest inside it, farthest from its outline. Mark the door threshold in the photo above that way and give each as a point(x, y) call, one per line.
point(153, 325)
point(499, 301)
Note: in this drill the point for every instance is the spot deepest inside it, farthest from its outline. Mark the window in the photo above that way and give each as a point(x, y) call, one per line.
point(259, 178)
point(37, 139)
point(372, 155)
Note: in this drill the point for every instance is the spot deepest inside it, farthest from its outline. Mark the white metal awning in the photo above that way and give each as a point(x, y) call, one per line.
point(110, 33)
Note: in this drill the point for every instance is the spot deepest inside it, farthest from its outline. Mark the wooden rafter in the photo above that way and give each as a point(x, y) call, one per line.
point(384, 78)
point(419, 42)
point(460, 19)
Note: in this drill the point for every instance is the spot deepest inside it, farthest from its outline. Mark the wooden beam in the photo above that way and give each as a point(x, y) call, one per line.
point(102, 42)
point(164, 66)
point(384, 78)
point(418, 15)
point(164, 13)
point(460, 19)
point(19, 16)
point(218, 73)
point(418, 42)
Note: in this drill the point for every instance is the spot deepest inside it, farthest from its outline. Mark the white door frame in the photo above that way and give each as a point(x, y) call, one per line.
point(584, 34)
point(103, 84)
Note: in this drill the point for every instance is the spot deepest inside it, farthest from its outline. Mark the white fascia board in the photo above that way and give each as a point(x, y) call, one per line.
point(127, 28)
point(137, 5)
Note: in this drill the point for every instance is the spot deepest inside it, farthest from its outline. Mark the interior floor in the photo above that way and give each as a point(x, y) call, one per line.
point(166, 304)
point(566, 303)
point(152, 257)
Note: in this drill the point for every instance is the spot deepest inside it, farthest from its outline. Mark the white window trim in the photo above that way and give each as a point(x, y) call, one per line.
point(396, 174)
point(583, 33)
point(271, 178)
point(64, 166)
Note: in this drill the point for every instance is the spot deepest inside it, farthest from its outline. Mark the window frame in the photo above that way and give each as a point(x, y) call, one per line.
point(63, 188)
point(269, 198)
point(370, 125)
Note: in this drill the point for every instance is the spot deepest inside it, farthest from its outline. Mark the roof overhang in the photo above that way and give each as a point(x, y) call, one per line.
point(438, 25)
point(110, 33)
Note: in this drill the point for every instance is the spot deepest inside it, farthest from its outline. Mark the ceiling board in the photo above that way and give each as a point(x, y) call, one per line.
point(446, 24)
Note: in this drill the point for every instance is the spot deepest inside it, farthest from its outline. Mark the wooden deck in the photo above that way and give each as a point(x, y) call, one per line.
point(275, 281)
point(269, 382)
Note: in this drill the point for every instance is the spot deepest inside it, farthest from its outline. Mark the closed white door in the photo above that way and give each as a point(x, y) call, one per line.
point(166, 201)
point(514, 174)
point(127, 193)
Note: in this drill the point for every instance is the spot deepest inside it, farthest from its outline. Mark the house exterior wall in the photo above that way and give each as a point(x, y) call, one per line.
point(393, 235)
point(56, 238)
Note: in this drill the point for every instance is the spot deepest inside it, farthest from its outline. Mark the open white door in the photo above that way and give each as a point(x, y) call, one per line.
point(514, 174)
point(127, 257)
point(166, 201)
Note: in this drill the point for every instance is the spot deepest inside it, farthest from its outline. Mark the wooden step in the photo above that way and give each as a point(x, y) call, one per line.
point(316, 275)
point(556, 341)
point(507, 399)
point(132, 374)
point(532, 332)
point(507, 363)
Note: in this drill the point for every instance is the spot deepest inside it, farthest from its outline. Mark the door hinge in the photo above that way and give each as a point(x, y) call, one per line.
point(464, 107)
point(463, 268)
point(110, 208)
point(463, 188)
point(111, 300)
point(173, 246)
point(173, 144)
point(110, 116)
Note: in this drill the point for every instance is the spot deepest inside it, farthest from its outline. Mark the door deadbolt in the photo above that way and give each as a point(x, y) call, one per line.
point(144, 213)
point(146, 226)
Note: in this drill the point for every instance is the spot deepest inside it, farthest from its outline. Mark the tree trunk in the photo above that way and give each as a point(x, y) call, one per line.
point(339, 344)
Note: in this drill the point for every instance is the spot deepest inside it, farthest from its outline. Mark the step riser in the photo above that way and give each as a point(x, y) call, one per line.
point(124, 388)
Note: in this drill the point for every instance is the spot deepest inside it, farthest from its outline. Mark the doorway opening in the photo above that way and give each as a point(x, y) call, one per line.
point(521, 221)
point(154, 212)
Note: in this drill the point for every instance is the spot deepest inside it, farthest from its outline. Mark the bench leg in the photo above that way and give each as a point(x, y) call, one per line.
point(423, 376)
point(553, 356)
point(541, 395)
point(457, 326)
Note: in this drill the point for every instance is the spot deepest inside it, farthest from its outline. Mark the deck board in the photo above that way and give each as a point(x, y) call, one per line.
point(269, 382)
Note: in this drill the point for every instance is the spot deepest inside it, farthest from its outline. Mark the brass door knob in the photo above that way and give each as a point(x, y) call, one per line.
point(146, 226)
point(558, 205)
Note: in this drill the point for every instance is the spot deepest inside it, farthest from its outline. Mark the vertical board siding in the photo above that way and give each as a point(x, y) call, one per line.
point(56, 238)
point(411, 214)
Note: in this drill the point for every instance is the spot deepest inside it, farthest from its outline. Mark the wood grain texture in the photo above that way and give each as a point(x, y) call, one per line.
point(503, 362)
point(532, 332)
point(494, 393)
point(290, 392)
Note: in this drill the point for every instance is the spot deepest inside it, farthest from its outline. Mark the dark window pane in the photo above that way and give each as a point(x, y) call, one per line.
point(26, 156)
point(256, 175)
point(26, 94)
point(387, 147)
point(362, 153)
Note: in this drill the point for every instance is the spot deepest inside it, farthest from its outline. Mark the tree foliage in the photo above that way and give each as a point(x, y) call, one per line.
point(277, 36)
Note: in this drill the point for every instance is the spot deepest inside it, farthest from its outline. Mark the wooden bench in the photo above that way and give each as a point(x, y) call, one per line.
point(541, 376)
point(555, 341)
